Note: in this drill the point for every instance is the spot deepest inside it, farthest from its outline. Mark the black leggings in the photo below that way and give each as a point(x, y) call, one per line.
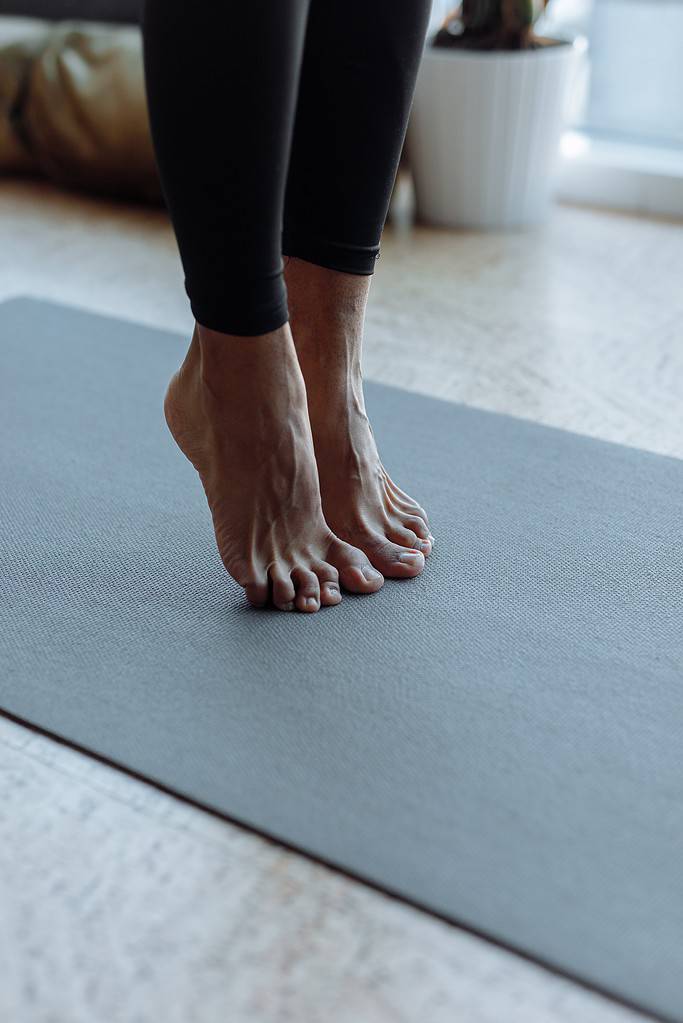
point(277, 127)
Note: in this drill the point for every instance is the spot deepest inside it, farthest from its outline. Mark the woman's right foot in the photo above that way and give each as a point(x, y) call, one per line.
point(237, 409)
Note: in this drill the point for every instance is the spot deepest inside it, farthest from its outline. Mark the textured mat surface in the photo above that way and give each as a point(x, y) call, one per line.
point(498, 741)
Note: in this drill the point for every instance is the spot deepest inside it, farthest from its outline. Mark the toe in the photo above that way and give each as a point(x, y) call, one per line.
point(425, 546)
point(330, 594)
point(392, 559)
point(328, 577)
point(361, 578)
point(407, 538)
point(257, 592)
point(356, 574)
point(283, 590)
point(418, 526)
point(252, 578)
point(307, 589)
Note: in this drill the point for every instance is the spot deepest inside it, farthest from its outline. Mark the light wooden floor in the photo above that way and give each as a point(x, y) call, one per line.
point(120, 903)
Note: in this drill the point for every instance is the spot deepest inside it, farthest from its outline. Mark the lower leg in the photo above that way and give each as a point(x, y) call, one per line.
point(361, 502)
point(221, 85)
point(358, 75)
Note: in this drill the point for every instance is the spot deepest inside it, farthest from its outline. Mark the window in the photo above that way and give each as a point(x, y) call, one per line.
point(625, 146)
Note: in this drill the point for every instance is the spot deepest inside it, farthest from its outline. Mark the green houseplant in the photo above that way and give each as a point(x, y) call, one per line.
point(492, 25)
point(487, 115)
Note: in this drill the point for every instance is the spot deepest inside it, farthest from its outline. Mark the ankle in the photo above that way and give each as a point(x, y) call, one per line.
point(217, 348)
point(322, 300)
point(234, 363)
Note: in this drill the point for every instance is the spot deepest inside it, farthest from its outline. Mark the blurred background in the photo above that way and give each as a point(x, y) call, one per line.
point(621, 144)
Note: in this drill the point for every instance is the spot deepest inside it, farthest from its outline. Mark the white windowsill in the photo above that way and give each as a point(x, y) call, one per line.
point(620, 175)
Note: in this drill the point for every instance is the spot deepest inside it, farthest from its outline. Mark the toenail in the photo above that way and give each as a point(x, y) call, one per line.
point(410, 557)
point(371, 574)
point(287, 607)
point(310, 602)
point(422, 545)
point(332, 588)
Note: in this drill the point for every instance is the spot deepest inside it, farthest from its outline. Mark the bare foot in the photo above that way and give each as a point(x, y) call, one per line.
point(237, 410)
point(361, 502)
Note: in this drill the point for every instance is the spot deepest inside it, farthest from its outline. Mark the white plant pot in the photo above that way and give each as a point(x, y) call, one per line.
point(484, 133)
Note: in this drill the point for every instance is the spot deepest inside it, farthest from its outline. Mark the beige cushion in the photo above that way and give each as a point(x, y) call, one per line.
point(82, 112)
point(21, 41)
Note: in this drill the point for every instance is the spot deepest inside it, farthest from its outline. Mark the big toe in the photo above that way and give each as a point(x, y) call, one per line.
point(392, 559)
point(356, 573)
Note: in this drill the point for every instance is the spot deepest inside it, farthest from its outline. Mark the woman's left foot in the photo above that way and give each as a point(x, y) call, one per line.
point(361, 503)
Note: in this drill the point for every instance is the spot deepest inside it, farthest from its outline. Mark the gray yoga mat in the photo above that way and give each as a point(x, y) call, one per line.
point(498, 741)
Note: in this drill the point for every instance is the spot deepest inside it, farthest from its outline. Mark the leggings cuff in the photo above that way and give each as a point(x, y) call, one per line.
point(352, 259)
point(243, 310)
